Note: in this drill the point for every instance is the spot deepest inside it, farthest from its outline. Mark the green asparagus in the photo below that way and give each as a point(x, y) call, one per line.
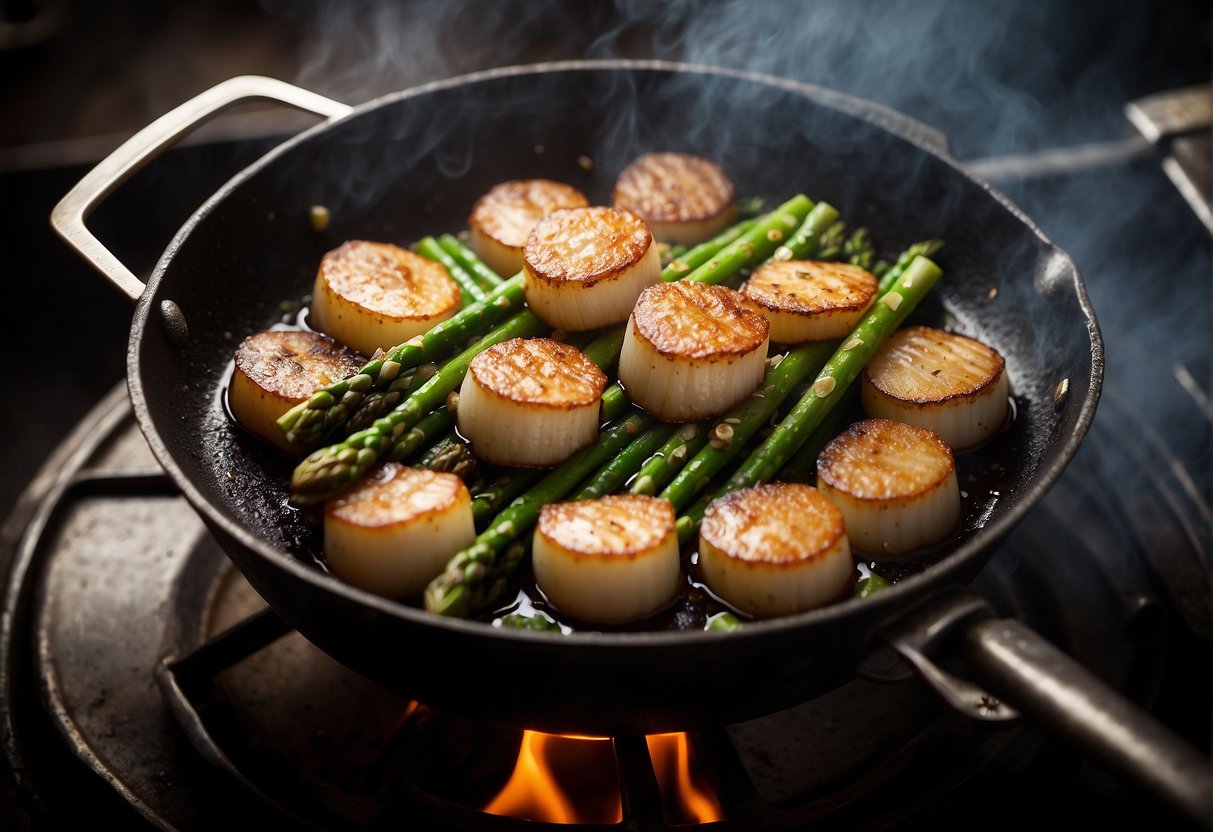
point(843, 367)
point(469, 289)
point(309, 423)
point(669, 459)
point(328, 470)
point(485, 277)
point(732, 432)
point(475, 577)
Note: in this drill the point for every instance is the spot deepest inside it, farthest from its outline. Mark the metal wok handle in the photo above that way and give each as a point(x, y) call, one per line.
point(1016, 665)
point(69, 215)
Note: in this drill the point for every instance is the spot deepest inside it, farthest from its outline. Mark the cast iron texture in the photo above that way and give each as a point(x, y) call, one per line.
point(413, 163)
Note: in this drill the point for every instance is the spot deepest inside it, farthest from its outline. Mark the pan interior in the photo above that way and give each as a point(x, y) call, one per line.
point(413, 164)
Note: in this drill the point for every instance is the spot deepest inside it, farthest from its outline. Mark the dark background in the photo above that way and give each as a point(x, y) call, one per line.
point(76, 78)
point(1002, 80)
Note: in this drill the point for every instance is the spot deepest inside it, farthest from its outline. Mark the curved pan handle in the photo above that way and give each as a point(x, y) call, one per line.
point(69, 215)
point(1014, 664)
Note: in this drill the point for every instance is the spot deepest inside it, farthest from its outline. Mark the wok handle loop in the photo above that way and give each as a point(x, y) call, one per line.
point(68, 217)
point(1014, 662)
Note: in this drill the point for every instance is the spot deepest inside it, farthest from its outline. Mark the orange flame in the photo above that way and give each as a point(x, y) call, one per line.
point(533, 791)
point(692, 801)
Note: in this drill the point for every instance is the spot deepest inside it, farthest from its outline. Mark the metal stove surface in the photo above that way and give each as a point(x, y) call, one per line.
point(111, 577)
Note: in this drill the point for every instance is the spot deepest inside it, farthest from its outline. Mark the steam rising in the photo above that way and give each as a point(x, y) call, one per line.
point(997, 78)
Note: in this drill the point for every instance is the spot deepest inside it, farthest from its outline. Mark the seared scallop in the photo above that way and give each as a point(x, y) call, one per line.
point(531, 402)
point(610, 560)
point(376, 295)
point(811, 300)
point(394, 532)
point(684, 199)
point(895, 483)
point(692, 350)
point(775, 549)
point(584, 267)
point(501, 221)
point(952, 385)
point(277, 370)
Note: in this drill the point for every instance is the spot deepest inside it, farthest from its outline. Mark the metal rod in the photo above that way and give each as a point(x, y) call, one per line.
point(1040, 680)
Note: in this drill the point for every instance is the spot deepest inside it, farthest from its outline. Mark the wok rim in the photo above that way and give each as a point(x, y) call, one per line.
point(883, 604)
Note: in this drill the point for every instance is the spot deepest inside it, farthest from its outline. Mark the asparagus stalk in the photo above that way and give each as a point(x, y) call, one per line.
point(328, 470)
point(807, 240)
point(484, 276)
point(925, 248)
point(843, 367)
point(858, 249)
point(754, 246)
point(803, 465)
point(869, 584)
point(832, 241)
point(511, 484)
point(688, 261)
point(731, 433)
point(475, 577)
point(616, 472)
point(309, 423)
point(470, 290)
point(669, 459)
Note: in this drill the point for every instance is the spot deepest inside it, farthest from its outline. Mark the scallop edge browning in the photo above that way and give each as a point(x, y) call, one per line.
point(592, 562)
point(394, 533)
point(895, 483)
point(775, 549)
point(360, 287)
point(584, 267)
point(964, 398)
point(503, 252)
point(530, 402)
point(681, 366)
point(685, 199)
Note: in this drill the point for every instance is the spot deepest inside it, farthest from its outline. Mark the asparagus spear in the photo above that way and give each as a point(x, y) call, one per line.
point(690, 260)
point(330, 469)
point(475, 577)
point(731, 433)
point(669, 458)
point(309, 423)
point(808, 237)
point(925, 248)
point(471, 292)
point(754, 246)
point(512, 483)
point(843, 367)
point(616, 472)
point(484, 276)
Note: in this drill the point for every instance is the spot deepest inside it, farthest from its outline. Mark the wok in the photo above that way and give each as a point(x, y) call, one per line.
point(412, 163)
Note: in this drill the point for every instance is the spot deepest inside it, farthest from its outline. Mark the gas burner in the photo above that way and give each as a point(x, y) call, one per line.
point(114, 585)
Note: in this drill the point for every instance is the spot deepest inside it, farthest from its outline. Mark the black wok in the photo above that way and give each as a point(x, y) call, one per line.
point(411, 164)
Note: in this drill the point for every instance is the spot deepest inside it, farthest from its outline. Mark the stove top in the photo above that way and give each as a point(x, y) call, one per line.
point(141, 671)
point(1117, 554)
